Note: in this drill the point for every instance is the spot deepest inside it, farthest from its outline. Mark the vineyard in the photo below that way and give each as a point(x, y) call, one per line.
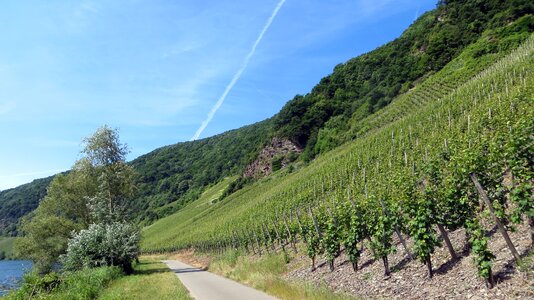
point(462, 159)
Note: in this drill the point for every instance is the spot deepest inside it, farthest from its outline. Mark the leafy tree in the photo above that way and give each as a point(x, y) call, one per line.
point(47, 230)
point(97, 190)
point(45, 239)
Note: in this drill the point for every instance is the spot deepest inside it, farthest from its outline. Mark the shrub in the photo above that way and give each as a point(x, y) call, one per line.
point(115, 244)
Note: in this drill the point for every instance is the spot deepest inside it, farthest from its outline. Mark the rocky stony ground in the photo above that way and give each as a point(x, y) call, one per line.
point(453, 279)
point(409, 279)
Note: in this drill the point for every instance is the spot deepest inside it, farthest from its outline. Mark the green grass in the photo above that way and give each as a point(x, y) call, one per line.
point(187, 216)
point(266, 274)
point(6, 246)
point(151, 280)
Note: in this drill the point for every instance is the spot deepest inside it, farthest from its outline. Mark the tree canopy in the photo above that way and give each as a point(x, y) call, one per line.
point(96, 190)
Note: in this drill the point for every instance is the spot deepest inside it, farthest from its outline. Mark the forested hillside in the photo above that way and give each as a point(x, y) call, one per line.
point(459, 165)
point(17, 202)
point(367, 83)
point(339, 109)
point(172, 176)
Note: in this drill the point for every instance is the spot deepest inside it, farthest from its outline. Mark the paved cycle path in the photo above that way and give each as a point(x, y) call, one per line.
point(204, 285)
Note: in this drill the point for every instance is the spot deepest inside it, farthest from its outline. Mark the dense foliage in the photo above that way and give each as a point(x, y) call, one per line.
point(17, 202)
point(172, 176)
point(367, 83)
point(114, 244)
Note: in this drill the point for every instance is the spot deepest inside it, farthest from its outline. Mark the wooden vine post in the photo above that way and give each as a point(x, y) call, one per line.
point(397, 231)
point(297, 212)
point(315, 224)
point(270, 237)
point(279, 237)
point(265, 238)
point(291, 237)
point(502, 230)
point(235, 243)
point(257, 242)
point(251, 242)
point(403, 242)
point(331, 263)
point(445, 237)
point(317, 230)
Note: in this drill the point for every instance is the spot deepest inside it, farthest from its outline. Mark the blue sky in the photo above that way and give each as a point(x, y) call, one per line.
point(155, 69)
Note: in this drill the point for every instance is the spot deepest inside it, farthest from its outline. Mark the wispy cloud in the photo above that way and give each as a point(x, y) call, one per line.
point(87, 7)
point(239, 73)
point(181, 49)
point(417, 12)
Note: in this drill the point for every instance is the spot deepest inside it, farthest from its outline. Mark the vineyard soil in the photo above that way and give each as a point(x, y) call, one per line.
point(409, 279)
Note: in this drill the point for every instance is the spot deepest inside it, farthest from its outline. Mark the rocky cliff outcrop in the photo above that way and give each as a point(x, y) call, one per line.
point(278, 154)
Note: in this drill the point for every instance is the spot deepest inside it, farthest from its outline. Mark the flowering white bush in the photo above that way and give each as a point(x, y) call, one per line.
point(114, 244)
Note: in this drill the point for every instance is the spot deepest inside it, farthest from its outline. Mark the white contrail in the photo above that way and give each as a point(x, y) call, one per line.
point(417, 13)
point(238, 74)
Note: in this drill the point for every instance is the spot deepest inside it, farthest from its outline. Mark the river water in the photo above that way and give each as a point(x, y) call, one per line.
point(11, 272)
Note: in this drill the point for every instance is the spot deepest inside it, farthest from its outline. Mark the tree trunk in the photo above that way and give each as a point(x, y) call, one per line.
point(531, 223)
point(429, 267)
point(486, 199)
point(490, 281)
point(355, 266)
point(445, 237)
point(313, 264)
point(387, 272)
point(331, 265)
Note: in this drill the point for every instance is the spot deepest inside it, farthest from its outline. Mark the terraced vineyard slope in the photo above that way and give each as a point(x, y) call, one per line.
point(419, 176)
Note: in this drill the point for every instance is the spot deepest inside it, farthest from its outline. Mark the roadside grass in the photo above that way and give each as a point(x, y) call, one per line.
point(267, 274)
point(151, 280)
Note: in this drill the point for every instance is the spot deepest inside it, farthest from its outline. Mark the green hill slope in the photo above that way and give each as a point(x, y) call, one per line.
point(169, 177)
point(172, 176)
point(464, 117)
point(345, 105)
point(17, 202)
